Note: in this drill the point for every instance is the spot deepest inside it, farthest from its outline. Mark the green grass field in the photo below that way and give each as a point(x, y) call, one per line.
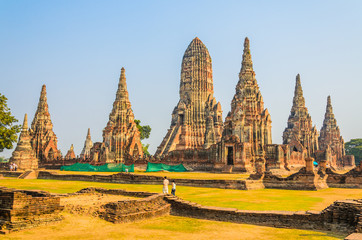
point(167, 227)
point(263, 199)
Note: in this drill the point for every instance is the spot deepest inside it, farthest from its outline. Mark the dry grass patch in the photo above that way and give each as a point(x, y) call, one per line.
point(167, 227)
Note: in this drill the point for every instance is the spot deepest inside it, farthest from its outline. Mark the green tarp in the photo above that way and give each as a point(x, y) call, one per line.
point(156, 167)
point(108, 167)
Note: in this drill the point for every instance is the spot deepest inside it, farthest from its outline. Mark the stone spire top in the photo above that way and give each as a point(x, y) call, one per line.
point(299, 131)
point(330, 134)
point(298, 100)
point(24, 155)
point(42, 113)
point(247, 63)
point(25, 122)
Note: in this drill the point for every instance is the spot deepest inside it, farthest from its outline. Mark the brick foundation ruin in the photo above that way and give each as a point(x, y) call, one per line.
point(20, 209)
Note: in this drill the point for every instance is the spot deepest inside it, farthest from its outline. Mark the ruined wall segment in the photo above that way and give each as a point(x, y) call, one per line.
point(299, 133)
point(43, 139)
point(121, 138)
point(24, 155)
point(197, 119)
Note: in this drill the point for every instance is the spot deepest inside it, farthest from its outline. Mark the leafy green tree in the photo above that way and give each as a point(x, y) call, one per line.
point(354, 147)
point(145, 132)
point(8, 130)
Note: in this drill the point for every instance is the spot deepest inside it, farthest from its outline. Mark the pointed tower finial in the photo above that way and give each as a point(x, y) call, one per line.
point(25, 123)
point(247, 63)
point(88, 133)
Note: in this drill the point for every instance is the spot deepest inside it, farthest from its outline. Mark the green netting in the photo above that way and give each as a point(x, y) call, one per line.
point(156, 167)
point(108, 167)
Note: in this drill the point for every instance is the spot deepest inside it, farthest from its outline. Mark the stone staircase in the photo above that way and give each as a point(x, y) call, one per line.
point(31, 174)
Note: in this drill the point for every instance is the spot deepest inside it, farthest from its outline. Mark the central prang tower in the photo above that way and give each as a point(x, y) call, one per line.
point(197, 119)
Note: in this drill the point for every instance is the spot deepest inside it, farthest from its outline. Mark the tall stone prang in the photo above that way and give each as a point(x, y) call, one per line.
point(24, 155)
point(121, 137)
point(330, 135)
point(197, 119)
point(299, 133)
point(248, 119)
point(88, 144)
point(43, 139)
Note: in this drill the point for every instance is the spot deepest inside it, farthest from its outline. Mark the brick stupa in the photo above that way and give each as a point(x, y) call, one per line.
point(43, 139)
point(70, 154)
point(88, 144)
point(197, 119)
point(248, 119)
point(299, 133)
point(121, 137)
point(23, 155)
point(330, 134)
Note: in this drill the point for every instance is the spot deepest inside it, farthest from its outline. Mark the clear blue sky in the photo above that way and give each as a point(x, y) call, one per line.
point(77, 49)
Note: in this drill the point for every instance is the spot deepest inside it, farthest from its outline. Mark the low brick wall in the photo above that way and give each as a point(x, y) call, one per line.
point(302, 180)
point(11, 174)
point(150, 205)
point(129, 178)
point(342, 216)
point(27, 209)
point(351, 179)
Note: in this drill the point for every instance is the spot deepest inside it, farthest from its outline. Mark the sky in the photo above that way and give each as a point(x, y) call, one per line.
point(77, 48)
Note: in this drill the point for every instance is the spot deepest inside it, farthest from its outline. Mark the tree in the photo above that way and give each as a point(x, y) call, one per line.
point(8, 130)
point(145, 132)
point(354, 147)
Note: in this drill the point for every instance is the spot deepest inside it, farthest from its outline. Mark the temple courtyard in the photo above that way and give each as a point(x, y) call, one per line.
point(176, 227)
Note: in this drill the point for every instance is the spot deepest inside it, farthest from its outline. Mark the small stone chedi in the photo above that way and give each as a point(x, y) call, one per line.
point(197, 119)
point(330, 139)
point(300, 134)
point(23, 155)
point(247, 127)
point(121, 137)
point(43, 139)
point(70, 154)
point(88, 144)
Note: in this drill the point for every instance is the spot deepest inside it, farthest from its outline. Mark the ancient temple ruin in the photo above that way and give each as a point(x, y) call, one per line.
point(88, 144)
point(299, 134)
point(330, 140)
point(23, 155)
point(197, 119)
point(70, 154)
point(247, 127)
point(43, 139)
point(121, 137)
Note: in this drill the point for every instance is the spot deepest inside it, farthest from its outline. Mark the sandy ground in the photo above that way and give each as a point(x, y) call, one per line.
point(94, 199)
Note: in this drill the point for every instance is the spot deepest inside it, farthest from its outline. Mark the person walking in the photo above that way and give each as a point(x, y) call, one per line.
point(165, 185)
point(173, 190)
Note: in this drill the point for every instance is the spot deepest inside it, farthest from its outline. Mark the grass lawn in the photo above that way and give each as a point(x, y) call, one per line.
point(263, 199)
point(167, 227)
point(182, 175)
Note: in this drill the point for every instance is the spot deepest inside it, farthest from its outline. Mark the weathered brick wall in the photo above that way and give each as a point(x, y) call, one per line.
point(342, 216)
point(150, 205)
point(147, 179)
point(351, 179)
point(11, 174)
point(26, 209)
